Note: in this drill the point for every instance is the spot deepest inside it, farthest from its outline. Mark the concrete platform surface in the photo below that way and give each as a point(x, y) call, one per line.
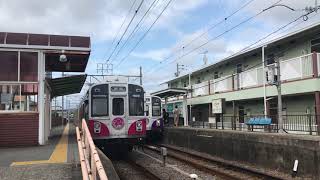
point(58, 159)
point(40, 172)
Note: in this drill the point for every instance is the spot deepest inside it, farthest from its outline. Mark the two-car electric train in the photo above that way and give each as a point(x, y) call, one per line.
point(114, 112)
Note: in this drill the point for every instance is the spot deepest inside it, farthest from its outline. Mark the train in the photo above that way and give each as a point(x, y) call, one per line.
point(114, 112)
point(153, 113)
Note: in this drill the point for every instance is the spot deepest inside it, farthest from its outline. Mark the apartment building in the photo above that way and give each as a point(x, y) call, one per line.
point(239, 81)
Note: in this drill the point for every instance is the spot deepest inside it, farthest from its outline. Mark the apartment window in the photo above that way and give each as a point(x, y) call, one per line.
point(184, 84)
point(198, 79)
point(216, 75)
point(270, 59)
point(239, 68)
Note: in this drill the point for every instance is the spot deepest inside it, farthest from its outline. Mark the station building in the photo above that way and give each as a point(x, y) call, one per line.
point(238, 80)
point(27, 86)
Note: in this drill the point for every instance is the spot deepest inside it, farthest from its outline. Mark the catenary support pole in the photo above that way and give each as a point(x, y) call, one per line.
point(264, 83)
point(280, 120)
point(141, 75)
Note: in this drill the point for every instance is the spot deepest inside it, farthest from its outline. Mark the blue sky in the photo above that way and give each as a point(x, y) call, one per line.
point(180, 23)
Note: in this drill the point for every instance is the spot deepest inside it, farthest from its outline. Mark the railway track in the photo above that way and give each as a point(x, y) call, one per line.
point(129, 170)
point(212, 166)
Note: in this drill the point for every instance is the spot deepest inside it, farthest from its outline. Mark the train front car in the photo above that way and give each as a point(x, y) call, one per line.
point(115, 114)
point(155, 120)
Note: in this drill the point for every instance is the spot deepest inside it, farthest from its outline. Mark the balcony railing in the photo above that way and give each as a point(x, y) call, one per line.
point(221, 84)
point(291, 69)
point(200, 89)
point(296, 68)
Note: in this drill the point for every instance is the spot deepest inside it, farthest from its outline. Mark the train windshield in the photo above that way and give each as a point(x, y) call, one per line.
point(117, 106)
point(156, 106)
point(99, 105)
point(136, 100)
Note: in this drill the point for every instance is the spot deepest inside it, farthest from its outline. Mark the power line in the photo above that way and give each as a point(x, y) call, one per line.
point(124, 20)
point(218, 36)
point(136, 27)
point(210, 28)
point(144, 35)
point(225, 32)
point(134, 15)
point(279, 53)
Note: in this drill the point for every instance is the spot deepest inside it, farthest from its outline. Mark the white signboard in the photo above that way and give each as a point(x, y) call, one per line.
point(217, 106)
point(212, 120)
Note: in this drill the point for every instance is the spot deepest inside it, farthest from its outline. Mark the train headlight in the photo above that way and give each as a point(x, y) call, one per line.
point(97, 127)
point(158, 122)
point(139, 126)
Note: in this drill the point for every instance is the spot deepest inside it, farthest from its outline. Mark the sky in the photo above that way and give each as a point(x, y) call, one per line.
point(181, 22)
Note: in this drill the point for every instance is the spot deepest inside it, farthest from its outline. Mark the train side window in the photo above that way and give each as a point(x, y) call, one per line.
point(117, 106)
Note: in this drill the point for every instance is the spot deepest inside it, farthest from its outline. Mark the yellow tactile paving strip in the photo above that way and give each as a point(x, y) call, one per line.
point(59, 155)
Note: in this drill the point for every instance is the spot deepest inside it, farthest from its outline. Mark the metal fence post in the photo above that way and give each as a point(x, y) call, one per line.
point(310, 126)
point(222, 126)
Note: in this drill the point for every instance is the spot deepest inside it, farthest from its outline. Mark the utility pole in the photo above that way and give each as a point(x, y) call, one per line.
point(179, 68)
point(264, 83)
point(62, 105)
point(141, 75)
point(278, 84)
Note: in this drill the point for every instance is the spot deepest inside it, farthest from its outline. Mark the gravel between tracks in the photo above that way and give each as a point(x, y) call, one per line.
point(126, 171)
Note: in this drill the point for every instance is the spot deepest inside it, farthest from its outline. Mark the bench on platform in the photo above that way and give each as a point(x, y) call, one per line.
point(259, 122)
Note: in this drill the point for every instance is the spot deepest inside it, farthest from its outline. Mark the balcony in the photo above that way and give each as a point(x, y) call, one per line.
point(292, 69)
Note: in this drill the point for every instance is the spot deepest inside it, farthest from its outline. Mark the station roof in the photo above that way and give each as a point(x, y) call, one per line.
point(76, 48)
point(76, 61)
point(43, 41)
point(66, 85)
point(170, 92)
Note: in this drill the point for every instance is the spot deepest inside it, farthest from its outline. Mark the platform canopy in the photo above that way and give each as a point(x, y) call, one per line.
point(170, 92)
point(66, 85)
point(76, 61)
point(75, 48)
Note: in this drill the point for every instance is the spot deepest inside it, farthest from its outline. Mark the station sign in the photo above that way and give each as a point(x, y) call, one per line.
point(218, 106)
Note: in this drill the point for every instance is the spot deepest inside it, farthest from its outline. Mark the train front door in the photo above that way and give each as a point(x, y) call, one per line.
point(118, 115)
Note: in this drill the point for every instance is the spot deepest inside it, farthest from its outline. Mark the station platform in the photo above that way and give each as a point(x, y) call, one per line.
point(275, 153)
point(58, 159)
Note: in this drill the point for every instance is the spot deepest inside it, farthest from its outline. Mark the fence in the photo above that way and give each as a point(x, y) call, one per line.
point(298, 124)
point(89, 158)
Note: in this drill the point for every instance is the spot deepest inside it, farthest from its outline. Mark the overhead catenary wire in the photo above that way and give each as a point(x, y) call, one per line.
point(136, 27)
point(258, 64)
point(144, 35)
point(225, 32)
point(125, 31)
point(211, 27)
point(220, 35)
point(124, 20)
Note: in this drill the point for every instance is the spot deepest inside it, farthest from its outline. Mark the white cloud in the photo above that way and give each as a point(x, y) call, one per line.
point(157, 54)
point(99, 19)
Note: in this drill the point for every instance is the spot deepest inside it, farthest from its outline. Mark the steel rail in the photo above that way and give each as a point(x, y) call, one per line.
point(228, 166)
point(145, 171)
